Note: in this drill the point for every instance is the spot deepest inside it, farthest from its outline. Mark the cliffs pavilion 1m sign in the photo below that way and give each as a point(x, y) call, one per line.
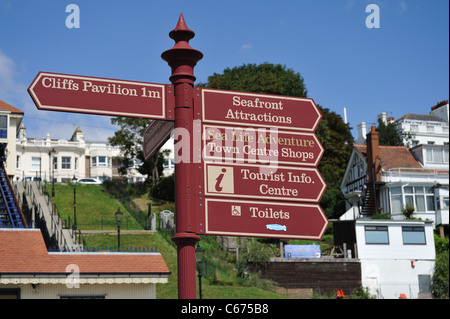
point(92, 95)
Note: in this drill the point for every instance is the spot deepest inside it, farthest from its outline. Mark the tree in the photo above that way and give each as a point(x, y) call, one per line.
point(130, 140)
point(333, 133)
point(388, 134)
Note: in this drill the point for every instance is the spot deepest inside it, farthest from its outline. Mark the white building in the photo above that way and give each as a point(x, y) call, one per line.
point(424, 129)
point(10, 119)
point(63, 159)
point(383, 179)
point(397, 257)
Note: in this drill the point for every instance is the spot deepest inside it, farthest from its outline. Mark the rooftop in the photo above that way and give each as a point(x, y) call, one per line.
point(5, 106)
point(23, 252)
point(392, 156)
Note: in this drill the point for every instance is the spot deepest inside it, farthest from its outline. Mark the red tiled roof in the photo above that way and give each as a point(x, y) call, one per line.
point(24, 251)
point(7, 107)
point(392, 157)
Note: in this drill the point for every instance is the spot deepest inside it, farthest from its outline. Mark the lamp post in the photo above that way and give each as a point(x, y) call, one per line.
point(118, 215)
point(198, 259)
point(74, 182)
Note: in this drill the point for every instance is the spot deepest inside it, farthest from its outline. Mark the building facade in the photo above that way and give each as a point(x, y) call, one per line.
point(384, 179)
point(397, 258)
point(10, 119)
point(61, 160)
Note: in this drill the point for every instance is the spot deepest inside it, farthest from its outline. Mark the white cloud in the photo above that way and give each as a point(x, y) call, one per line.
point(39, 123)
point(403, 6)
point(246, 46)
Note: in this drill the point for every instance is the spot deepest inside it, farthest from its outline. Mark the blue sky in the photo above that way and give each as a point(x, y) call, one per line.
point(401, 67)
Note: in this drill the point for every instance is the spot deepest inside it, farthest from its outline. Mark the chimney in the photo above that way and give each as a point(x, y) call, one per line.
point(383, 117)
point(373, 154)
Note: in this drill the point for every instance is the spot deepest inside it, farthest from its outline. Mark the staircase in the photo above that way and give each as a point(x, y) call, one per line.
point(369, 201)
point(55, 235)
point(10, 214)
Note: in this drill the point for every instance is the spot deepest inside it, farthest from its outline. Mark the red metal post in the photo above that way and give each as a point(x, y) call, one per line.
point(182, 58)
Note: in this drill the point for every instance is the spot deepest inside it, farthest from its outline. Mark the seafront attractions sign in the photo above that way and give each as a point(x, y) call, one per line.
point(259, 110)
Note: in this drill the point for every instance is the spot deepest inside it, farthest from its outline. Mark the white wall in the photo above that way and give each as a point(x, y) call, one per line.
point(110, 291)
point(386, 269)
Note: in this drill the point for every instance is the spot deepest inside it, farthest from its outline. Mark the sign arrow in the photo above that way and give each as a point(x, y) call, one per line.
point(92, 95)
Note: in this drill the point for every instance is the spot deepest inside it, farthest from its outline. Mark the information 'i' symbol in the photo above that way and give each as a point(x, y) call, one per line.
point(219, 180)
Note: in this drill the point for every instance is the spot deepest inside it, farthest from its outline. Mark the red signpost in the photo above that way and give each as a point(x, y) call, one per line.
point(230, 181)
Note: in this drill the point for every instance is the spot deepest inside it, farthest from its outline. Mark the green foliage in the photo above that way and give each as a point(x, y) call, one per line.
point(130, 138)
point(440, 282)
point(257, 254)
point(265, 78)
point(408, 211)
point(164, 189)
point(388, 134)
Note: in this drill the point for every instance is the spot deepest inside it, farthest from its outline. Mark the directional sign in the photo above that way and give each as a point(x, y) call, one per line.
point(263, 182)
point(155, 136)
point(81, 94)
point(260, 146)
point(263, 219)
point(258, 110)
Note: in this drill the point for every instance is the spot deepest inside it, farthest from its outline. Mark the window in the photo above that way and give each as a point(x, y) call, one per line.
point(429, 196)
point(65, 162)
point(35, 163)
point(422, 198)
point(9, 293)
point(3, 126)
point(413, 235)
point(437, 155)
point(376, 234)
point(396, 199)
point(101, 161)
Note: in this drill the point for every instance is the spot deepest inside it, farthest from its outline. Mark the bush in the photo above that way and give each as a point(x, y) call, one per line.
point(408, 211)
point(164, 189)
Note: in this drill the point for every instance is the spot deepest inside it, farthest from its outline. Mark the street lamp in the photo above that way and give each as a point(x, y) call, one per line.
point(74, 182)
point(119, 216)
point(198, 259)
